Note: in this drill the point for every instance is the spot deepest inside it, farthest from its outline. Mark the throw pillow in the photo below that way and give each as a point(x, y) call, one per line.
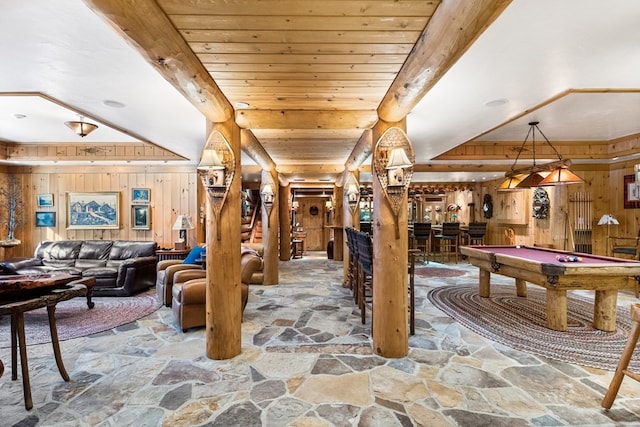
point(195, 253)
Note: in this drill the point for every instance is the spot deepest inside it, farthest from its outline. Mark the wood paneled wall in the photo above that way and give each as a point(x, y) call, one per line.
point(173, 192)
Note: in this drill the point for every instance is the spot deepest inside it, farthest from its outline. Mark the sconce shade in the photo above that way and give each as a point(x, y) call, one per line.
point(352, 189)
point(210, 160)
point(608, 219)
point(560, 176)
point(81, 128)
point(183, 222)
point(267, 190)
point(398, 159)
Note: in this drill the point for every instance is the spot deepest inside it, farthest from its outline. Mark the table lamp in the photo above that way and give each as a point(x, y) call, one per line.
point(608, 219)
point(183, 223)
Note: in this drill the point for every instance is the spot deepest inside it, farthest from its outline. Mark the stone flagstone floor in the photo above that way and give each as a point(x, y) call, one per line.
point(307, 361)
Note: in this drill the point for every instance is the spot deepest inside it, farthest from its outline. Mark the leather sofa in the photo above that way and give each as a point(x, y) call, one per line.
point(120, 267)
point(189, 291)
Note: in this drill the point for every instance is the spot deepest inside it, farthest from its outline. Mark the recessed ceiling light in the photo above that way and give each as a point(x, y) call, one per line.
point(19, 116)
point(113, 104)
point(496, 102)
point(241, 104)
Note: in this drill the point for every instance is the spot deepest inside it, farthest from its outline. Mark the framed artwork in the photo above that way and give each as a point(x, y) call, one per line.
point(140, 195)
point(140, 217)
point(93, 210)
point(45, 200)
point(45, 219)
point(631, 196)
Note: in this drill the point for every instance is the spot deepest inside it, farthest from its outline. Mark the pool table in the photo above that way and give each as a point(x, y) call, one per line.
point(604, 275)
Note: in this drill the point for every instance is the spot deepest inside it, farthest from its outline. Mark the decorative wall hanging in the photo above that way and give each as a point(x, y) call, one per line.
point(540, 203)
point(217, 168)
point(267, 194)
point(140, 196)
point(487, 206)
point(93, 210)
point(393, 159)
point(631, 197)
point(352, 194)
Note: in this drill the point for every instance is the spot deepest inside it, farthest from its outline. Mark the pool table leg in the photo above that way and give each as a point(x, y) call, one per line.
point(557, 309)
point(484, 289)
point(604, 310)
point(521, 287)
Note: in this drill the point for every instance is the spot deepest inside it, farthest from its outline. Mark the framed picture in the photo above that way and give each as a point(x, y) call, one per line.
point(140, 217)
point(45, 200)
point(140, 195)
point(93, 210)
point(45, 219)
point(631, 196)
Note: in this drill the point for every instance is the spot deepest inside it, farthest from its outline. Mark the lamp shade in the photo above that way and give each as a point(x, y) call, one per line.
point(210, 160)
point(267, 190)
point(81, 128)
point(183, 222)
point(608, 219)
point(561, 176)
point(511, 183)
point(533, 179)
point(398, 159)
point(352, 189)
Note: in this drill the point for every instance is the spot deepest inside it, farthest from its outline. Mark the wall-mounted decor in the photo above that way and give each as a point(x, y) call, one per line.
point(487, 206)
point(512, 208)
point(45, 219)
point(140, 195)
point(45, 200)
point(140, 217)
point(540, 204)
point(93, 210)
point(631, 196)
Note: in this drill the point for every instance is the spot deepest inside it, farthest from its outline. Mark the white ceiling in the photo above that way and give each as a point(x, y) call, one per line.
point(530, 57)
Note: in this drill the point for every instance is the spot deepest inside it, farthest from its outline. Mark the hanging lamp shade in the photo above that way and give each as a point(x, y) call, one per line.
point(560, 176)
point(533, 180)
point(81, 127)
point(511, 183)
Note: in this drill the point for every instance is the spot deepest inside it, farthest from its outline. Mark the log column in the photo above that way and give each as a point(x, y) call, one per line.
point(390, 257)
point(284, 196)
point(223, 294)
point(338, 230)
point(270, 229)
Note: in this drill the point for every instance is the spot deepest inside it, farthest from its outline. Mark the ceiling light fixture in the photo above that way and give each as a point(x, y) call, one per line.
point(81, 127)
point(553, 173)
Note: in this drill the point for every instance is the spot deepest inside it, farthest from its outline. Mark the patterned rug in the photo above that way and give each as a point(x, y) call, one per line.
point(438, 272)
point(74, 319)
point(519, 323)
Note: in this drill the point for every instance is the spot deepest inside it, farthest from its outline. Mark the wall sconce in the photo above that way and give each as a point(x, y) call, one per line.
point(328, 205)
point(216, 170)
point(393, 166)
point(353, 194)
point(183, 223)
point(295, 205)
point(267, 195)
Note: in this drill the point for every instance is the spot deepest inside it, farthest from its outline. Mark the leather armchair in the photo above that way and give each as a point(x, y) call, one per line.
point(166, 270)
point(189, 291)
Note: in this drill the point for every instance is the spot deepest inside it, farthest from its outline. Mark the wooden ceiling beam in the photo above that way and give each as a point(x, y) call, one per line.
point(305, 119)
point(252, 147)
point(452, 29)
point(151, 33)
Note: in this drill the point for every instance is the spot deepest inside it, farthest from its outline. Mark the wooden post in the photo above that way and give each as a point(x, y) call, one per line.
point(284, 196)
point(349, 220)
point(270, 231)
point(223, 295)
point(338, 234)
point(390, 257)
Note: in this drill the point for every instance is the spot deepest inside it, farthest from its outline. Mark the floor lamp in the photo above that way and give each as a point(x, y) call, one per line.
point(608, 219)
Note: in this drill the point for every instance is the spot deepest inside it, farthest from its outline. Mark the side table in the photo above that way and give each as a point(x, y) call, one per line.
point(163, 254)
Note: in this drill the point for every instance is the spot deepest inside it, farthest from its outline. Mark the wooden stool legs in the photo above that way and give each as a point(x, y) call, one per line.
point(623, 363)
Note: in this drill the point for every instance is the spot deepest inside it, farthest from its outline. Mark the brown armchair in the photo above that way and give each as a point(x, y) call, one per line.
point(165, 272)
point(189, 291)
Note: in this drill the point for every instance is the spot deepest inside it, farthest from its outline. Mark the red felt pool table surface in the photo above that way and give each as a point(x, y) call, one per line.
point(604, 275)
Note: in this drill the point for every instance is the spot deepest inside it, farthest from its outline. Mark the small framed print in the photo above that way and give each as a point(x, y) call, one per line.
point(45, 200)
point(140, 217)
point(140, 195)
point(45, 219)
point(631, 196)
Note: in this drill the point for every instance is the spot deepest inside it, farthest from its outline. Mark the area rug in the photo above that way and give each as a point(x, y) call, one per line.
point(438, 272)
point(74, 319)
point(519, 323)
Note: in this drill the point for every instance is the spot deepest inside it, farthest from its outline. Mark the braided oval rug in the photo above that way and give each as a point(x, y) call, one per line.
point(520, 323)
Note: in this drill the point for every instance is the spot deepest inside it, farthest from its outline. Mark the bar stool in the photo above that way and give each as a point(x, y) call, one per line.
point(625, 358)
point(422, 238)
point(297, 248)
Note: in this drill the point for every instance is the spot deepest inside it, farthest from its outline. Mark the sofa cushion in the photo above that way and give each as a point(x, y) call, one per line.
point(103, 272)
point(62, 254)
point(122, 250)
point(83, 264)
point(95, 249)
point(195, 253)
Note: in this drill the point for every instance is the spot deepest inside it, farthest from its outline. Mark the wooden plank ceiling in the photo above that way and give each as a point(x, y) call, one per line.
point(332, 59)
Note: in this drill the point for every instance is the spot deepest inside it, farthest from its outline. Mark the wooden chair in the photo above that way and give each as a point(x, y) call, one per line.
point(625, 247)
point(625, 357)
point(475, 234)
point(449, 239)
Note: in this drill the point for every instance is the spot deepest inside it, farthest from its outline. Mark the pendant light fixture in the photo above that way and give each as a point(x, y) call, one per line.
point(554, 173)
point(81, 127)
